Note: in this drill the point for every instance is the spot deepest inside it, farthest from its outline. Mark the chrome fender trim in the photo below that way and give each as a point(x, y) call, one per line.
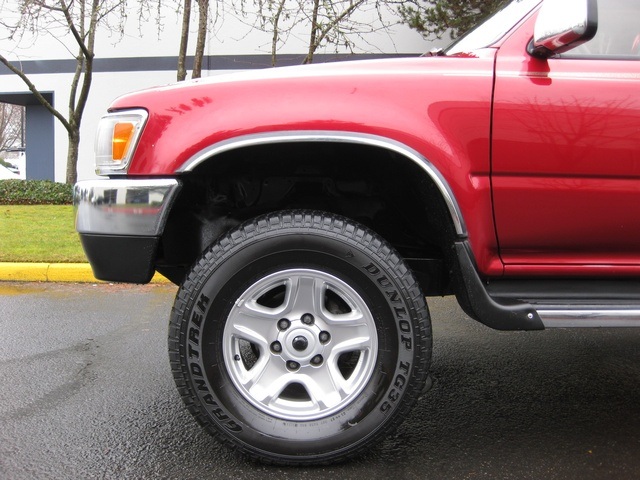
point(342, 137)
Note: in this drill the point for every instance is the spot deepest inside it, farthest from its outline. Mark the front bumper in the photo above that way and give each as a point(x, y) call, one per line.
point(120, 223)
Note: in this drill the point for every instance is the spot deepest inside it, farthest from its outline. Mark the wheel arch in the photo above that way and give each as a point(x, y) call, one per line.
point(409, 186)
point(209, 153)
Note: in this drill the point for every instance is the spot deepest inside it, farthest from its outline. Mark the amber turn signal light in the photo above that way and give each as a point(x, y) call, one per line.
point(122, 135)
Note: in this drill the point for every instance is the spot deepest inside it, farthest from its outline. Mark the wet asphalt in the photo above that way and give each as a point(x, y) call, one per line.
point(87, 393)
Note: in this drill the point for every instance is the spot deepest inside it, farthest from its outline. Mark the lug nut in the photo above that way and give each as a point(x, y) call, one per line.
point(324, 337)
point(307, 319)
point(276, 347)
point(283, 324)
point(317, 360)
point(293, 366)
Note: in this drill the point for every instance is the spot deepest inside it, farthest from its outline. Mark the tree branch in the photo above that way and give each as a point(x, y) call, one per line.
point(276, 32)
point(36, 92)
point(72, 28)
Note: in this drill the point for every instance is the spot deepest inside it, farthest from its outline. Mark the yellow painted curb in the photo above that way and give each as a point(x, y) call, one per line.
point(24, 272)
point(70, 272)
point(54, 272)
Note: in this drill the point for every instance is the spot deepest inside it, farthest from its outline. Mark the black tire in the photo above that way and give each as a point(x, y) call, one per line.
point(288, 388)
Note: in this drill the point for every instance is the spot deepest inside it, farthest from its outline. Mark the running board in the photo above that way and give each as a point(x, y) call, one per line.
point(570, 303)
point(563, 316)
point(535, 304)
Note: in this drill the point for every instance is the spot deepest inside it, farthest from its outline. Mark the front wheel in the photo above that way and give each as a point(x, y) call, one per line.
point(300, 337)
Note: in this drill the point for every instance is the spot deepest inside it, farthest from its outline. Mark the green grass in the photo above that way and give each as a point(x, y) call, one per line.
point(39, 233)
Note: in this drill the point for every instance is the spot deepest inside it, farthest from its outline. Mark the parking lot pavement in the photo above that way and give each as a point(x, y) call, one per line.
point(87, 392)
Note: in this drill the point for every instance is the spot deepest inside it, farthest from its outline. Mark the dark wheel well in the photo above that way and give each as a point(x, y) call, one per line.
point(376, 187)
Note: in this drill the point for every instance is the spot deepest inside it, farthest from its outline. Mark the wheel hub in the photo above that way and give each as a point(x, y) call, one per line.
point(300, 342)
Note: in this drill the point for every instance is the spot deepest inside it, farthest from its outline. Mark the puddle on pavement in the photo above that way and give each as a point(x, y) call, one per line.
point(64, 289)
point(12, 289)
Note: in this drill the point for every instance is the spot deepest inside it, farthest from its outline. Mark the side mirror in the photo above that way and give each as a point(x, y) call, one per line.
point(562, 25)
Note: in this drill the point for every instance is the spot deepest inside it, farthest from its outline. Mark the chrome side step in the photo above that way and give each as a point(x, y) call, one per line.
point(572, 316)
point(570, 303)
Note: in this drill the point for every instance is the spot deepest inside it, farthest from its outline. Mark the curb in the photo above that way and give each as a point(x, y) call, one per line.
point(55, 272)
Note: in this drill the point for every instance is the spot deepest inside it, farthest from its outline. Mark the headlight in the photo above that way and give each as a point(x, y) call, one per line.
point(116, 140)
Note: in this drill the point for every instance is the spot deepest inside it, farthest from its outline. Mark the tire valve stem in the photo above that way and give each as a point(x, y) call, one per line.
point(236, 357)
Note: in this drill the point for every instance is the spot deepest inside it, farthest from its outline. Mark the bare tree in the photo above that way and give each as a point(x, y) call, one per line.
point(11, 126)
point(275, 22)
point(331, 23)
point(337, 24)
point(74, 22)
point(201, 39)
point(277, 17)
point(203, 22)
point(184, 40)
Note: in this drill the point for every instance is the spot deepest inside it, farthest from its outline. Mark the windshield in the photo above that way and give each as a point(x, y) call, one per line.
point(493, 28)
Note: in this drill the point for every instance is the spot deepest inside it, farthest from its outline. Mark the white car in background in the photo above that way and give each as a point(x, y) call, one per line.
point(9, 173)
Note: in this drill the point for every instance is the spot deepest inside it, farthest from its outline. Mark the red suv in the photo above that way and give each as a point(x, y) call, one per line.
point(306, 213)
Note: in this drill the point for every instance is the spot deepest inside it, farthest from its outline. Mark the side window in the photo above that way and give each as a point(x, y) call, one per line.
point(618, 34)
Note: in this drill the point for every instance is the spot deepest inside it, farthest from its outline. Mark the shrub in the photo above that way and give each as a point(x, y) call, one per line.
point(35, 192)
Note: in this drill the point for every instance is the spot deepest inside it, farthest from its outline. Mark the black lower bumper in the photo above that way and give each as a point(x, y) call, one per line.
point(117, 258)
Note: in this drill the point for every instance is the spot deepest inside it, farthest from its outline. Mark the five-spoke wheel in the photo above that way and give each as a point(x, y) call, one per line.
point(300, 344)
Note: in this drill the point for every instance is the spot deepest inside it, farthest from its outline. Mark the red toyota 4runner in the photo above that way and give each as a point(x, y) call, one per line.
point(306, 213)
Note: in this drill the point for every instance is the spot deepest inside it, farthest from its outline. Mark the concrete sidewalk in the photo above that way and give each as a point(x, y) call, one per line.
point(54, 272)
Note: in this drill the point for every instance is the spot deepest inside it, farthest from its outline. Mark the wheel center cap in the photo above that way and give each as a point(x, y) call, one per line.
point(300, 343)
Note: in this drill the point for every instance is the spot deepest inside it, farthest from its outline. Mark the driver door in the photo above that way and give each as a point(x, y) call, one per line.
point(566, 152)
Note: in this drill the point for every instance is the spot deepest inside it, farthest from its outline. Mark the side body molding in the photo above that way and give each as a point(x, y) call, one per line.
point(340, 137)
